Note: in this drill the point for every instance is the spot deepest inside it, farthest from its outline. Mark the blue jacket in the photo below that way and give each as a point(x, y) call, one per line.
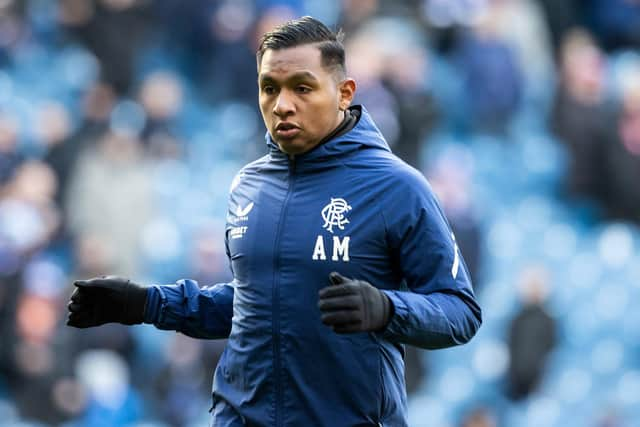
point(349, 205)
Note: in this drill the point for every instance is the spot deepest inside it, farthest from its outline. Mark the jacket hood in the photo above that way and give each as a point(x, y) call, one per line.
point(364, 135)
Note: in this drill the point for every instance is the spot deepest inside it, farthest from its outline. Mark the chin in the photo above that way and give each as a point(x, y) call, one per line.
point(292, 146)
point(293, 149)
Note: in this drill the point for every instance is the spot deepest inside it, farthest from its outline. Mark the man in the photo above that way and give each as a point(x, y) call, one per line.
point(340, 255)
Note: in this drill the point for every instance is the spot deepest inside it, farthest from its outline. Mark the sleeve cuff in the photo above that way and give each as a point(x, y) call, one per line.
point(396, 326)
point(155, 300)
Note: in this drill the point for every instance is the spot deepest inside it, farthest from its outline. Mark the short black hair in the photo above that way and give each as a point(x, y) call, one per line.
point(306, 30)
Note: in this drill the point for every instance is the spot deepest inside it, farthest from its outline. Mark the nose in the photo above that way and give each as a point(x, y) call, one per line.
point(284, 105)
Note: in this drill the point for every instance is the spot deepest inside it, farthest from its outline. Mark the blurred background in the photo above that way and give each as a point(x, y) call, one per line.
point(122, 123)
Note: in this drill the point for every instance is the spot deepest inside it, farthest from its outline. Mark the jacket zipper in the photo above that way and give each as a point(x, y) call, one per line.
point(275, 295)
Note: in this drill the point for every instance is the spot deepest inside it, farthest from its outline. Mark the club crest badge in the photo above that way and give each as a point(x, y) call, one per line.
point(334, 214)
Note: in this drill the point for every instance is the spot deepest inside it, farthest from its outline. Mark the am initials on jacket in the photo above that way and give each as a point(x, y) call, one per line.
point(339, 249)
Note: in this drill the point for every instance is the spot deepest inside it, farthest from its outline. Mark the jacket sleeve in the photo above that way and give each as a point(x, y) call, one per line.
point(194, 311)
point(185, 307)
point(438, 309)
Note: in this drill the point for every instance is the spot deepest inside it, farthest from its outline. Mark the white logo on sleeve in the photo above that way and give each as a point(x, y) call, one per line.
point(238, 232)
point(456, 258)
point(333, 214)
point(240, 212)
point(241, 215)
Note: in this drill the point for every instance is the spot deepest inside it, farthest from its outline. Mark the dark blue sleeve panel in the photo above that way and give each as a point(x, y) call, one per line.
point(194, 311)
point(439, 308)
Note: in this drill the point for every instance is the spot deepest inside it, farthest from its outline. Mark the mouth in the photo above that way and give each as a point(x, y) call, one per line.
point(287, 130)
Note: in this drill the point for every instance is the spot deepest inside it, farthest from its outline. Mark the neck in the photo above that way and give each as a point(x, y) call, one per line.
point(338, 129)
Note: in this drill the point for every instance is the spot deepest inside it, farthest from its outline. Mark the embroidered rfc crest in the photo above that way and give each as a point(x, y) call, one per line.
point(334, 214)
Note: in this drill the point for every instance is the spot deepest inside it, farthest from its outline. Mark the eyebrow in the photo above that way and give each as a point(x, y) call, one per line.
point(300, 75)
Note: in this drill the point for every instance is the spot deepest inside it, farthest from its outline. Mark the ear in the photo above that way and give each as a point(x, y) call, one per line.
point(346, 92)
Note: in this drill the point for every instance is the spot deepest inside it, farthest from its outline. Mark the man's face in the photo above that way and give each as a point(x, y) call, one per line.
point(300, 100)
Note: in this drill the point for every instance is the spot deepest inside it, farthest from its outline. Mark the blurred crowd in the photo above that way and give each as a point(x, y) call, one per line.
point(122, 123)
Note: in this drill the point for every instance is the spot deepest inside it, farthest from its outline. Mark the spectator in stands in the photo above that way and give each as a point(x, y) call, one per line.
point(493, 79)
point(392, 73)
point(161, 96)
point(234, 41)
point(365, 61)
point(622, 199)
point(406, 75)
point(580, 116)
point(100, 27)
point(520, 25)
point(28, 214)
point(53, 130)
point(39, 360)
point(64, 145)
point(112, 175)
point(532, 335)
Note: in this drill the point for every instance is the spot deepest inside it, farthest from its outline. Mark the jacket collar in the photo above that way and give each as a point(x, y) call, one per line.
point(364, 135)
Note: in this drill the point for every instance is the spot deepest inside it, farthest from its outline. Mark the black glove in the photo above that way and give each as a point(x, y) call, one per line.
point(353, 305)
point(106, 299)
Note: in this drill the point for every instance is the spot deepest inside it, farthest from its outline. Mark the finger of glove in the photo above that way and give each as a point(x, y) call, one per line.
point(83, 283)
point(337, 291)
point(336, 278)
point(81, 320)
point(75, 307)
point(339, 303)
point(340, 317)
point(104, 281)
point(90, 283)
point(81, 295)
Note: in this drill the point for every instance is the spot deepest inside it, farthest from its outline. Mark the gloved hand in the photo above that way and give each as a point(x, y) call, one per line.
point(353, 305)
point(106, 299)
